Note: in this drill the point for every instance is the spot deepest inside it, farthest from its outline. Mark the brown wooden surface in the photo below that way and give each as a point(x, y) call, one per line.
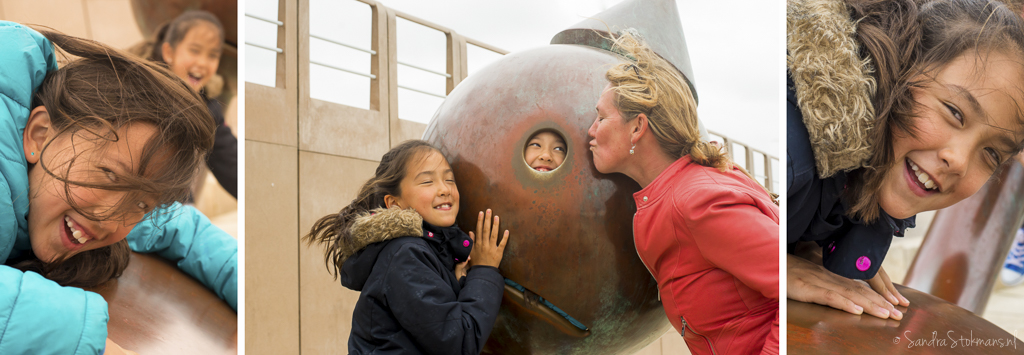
point(156, 309)
point(926, 328)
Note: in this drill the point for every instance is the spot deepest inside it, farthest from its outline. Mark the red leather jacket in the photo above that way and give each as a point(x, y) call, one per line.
point(711, 240)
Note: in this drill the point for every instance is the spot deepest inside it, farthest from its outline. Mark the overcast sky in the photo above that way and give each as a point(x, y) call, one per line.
point(736, 50)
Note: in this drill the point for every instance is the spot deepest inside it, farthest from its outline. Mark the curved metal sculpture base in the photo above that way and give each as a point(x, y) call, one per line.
point(156, 309)
point(929, 326)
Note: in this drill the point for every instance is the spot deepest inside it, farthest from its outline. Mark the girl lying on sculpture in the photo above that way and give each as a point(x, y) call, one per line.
point(912, 111)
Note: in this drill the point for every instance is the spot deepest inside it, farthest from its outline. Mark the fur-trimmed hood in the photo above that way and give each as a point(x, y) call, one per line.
point(446, 245)
point(833, 83)
point(379, 225)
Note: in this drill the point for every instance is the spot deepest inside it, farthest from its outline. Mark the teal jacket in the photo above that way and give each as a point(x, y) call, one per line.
point(37, 316)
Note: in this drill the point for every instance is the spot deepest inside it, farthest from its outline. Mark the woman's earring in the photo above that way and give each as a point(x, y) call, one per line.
point(31, 153)
point(631, 149)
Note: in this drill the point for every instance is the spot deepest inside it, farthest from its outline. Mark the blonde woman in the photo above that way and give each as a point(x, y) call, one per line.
point(707, 232)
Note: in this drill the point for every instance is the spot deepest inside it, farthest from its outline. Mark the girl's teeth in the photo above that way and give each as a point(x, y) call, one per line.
point(922, 177)
point(77, 234)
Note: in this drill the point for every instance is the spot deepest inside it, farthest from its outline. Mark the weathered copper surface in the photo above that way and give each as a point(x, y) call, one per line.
point(156, 309)
point(572, 237)
point(967, 243)
point(571, 228)
point(929, 326)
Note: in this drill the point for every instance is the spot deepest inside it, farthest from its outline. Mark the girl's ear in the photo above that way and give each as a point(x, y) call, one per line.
point(167, 53)
point(638, 128)
point(391, 201)
point(37, 130)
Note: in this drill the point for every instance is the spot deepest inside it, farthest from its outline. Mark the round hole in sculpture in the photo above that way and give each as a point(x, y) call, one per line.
point(545, 150)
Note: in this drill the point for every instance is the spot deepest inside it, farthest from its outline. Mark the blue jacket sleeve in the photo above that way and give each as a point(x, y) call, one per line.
point(25, 58)
point(37, 316)
point(184, 235)
point(438, 319)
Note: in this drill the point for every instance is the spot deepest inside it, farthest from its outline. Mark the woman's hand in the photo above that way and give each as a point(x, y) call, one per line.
point(489, 248)
point(462, 268)
point(114, 349)
point(881, 284)
point(812, 283)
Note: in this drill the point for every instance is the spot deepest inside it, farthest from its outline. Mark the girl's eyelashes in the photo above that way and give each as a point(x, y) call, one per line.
point(994, 156)
point(533, 145)
point(110, 174)
point(560, 149)
point(955, 112)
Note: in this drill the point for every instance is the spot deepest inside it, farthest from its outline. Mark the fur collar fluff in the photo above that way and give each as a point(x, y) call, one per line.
point(382, 224)
point(833, 83)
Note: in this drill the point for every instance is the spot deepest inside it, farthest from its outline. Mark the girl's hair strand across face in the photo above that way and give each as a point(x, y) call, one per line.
point(93, 97)
point(904, 43)
point(332, 230)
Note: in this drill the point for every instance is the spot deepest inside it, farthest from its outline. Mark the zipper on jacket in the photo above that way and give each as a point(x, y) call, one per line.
point(642, 258)
point(706, 340)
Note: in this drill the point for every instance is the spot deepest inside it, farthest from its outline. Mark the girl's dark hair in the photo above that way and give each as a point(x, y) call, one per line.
point(92, 98)
point(174, 31)
point(905, 42)
point(332, 230)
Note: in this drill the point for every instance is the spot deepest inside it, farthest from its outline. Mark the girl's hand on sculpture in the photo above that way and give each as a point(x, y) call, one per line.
point(807, 282)
point(881, 284)
point(488, 249)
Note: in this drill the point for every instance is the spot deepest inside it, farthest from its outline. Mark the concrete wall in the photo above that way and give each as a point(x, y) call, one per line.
point(108, 21)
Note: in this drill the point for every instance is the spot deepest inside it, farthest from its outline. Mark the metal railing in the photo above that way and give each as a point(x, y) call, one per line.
point(372, 52)
point(768, 178)
point(264, 19)
point(346, 45)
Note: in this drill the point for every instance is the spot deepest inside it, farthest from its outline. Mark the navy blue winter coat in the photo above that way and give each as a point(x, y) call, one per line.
point(816, 211)
point(411, 301)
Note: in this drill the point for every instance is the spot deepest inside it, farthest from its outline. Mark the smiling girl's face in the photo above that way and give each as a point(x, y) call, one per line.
point(429, 188)
point(56, 228)
point(966, 122)
point(195, 59)
point(545, 151)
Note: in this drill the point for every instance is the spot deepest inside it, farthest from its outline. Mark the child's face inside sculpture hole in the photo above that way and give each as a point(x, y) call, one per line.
point(545, 151)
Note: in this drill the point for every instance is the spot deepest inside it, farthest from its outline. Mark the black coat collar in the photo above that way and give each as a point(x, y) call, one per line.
point(451, 244)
